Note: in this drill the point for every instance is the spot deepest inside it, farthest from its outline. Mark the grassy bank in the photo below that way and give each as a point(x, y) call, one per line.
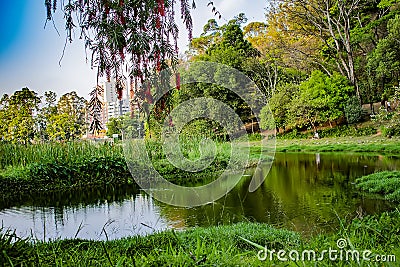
point(45, 168)
point(384, 184)
point(234, 245)
point(377, 144)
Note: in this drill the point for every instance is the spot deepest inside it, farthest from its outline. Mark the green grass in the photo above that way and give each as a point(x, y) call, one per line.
point(230, 245)
point(386, 184)
point(376, 144)
point(75, 166)
point(22, 155)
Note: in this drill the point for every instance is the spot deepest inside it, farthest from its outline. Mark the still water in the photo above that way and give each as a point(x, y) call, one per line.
point(305, 192)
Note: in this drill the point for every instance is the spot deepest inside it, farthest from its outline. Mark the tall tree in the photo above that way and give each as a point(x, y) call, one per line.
point(95, 108)
point(4, 116)
point(18, 113)
point(45, 113)
point(384, 61)
point(332, 22)
point(69, 121)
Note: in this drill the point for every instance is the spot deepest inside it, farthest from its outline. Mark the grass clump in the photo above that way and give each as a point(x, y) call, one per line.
point(385, 183)
point(216, 246)
point(15, 251)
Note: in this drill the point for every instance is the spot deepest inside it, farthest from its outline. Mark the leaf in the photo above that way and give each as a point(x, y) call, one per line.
point(252, 243)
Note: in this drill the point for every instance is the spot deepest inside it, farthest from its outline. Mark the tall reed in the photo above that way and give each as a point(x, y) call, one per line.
point(21, 155)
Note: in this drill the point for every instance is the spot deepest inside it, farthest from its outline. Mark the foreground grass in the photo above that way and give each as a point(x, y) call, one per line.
point(386, 184)
point(234, 245)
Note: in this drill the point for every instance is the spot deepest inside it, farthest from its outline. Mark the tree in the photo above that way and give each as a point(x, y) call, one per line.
point(332, 22)
point(4, 116)
point(45, 113)
point(353, 110)
point(139, 35)
point(69, 121)
point(211, 34)
point(280, 105)
point(384, 61)
point(320, 99)
point(230, 49)
point(18, 113)
point(114, 126)
point(124, 125)
point(95, 109)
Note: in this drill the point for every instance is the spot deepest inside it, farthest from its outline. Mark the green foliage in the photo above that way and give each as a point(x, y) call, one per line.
point(85, 172)
point(126, 125)
point(69, 121)
point(384, 61)
point(344, 130)
point(14, 155)
point(294, 134)
point(15, 251)
point(385, 183)
point(339, 131)
point(316, 101)
point(255, 137)
point(17, 116)
point(382, 115)
point(321, 99)
point(353, 110)
point(392, 128)
point(279, 104)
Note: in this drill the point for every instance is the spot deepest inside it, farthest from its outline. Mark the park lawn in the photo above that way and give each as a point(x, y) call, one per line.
point(376, 144)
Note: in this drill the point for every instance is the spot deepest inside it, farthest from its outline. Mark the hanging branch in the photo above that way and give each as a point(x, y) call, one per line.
point(126, 37)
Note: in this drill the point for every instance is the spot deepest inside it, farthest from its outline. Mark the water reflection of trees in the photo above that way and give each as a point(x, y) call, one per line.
point(299, 193)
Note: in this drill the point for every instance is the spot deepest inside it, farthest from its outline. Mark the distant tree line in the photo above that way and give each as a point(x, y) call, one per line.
point(26, 117)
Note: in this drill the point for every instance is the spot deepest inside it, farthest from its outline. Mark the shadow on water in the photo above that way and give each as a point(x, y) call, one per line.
point(306, 192)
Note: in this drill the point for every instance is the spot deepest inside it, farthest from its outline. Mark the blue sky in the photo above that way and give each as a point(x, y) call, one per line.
point(30, 54)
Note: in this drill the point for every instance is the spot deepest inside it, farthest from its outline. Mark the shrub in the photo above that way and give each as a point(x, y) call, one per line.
point(353, 110)
point(344, 130)
point(294, 135)
point(393, 127)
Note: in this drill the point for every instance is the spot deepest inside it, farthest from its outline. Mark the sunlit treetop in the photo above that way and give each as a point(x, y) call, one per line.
point(126, 37)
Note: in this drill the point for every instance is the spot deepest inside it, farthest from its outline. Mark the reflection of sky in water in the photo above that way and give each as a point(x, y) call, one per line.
point(138, 215)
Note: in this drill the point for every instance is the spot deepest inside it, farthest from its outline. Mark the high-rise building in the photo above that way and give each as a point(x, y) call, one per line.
point(113, 107)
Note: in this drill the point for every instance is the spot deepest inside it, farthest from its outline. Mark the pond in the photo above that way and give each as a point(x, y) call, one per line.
point(305, 192)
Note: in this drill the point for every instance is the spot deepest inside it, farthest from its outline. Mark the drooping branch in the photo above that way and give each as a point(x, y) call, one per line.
point(126, 38)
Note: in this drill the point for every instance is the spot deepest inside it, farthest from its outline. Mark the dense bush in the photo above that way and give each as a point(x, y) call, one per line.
point(293, 135)
point(343, 131)
point(393, 127)
point(340, 131)
point(353, 110)
point(391, 130)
